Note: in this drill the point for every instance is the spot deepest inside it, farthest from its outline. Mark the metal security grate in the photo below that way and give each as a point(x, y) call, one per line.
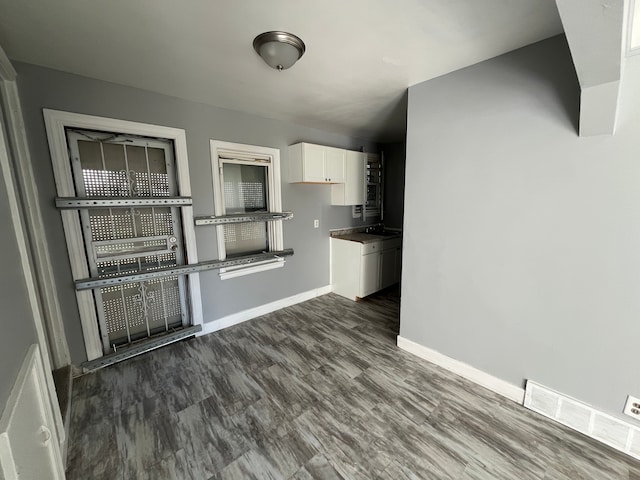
point(240, 238)
point(101, 183)
point(245, 196)
point(252, 196)
point(132, 231)
point(139, 309)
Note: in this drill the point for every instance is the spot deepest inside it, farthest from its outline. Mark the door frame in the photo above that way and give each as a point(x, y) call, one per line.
point(16, 170)
point(56, 122)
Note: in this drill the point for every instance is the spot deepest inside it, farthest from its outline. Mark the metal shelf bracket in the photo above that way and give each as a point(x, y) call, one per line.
point(243, 218)
point(91, 283)
point(76, 203)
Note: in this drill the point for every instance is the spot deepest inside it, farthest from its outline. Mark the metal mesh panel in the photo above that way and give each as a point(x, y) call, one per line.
point(100, 183)
point(136, 309)
point(172, 299)
point(252, 195)
point(114, 311)
point(153, 221)
point(244, 196)
point(101, 226)
point(164, 223)
point(229, 234)
point(245, 238)
point(116, 224)
point(252, 231)
point(108, 224)
point(117, 170)
point(159, 186)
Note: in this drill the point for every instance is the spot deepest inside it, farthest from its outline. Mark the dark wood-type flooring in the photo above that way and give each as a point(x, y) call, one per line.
point(314, 391)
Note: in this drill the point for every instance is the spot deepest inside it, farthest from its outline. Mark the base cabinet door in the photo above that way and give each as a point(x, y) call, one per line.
point(370, 274)
point(387, 268)
point(398, 272)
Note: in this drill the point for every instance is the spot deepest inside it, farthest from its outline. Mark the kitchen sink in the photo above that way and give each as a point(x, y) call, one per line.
point(383, 233)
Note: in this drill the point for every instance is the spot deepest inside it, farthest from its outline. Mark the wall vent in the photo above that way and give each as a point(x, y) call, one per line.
point(585, 419)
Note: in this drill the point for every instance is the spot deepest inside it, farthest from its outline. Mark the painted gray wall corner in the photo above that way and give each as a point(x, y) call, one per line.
point(394, 170)
point(520, 238)
point(307, 269)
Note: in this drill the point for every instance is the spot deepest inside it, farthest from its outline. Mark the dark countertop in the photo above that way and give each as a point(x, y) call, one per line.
point(366, 237)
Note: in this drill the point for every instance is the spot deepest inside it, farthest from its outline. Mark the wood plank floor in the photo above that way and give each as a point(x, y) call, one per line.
point(314, 391)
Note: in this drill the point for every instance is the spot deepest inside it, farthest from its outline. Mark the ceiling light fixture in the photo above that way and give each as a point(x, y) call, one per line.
point(280, 50)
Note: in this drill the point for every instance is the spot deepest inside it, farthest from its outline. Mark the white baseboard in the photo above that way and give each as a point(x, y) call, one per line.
point(495, 384)
point(245, 315)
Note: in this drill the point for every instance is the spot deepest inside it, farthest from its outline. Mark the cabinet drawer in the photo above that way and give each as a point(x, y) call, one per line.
point(391, 243)
point(370, 247)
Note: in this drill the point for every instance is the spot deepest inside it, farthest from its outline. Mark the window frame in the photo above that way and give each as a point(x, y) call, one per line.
point(242, 154)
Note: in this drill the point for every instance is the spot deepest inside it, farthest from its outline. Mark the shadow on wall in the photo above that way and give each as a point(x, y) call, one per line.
point(558, 73)
point(395, 119)
point(395, 155)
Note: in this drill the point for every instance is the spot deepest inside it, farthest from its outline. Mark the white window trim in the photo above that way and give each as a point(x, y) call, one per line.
point(239, 271)
point(247, 154)
point(56, 122)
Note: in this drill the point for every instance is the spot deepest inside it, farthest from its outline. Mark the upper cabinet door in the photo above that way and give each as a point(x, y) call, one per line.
point(356, 170)
point(353, 190)
point(313, 163)
point(335, 164)
point(309, 163)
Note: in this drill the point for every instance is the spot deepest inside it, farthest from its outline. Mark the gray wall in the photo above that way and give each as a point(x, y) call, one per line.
point(521, 242)
point(18, 331)
point(394, 168)
point(307, 269)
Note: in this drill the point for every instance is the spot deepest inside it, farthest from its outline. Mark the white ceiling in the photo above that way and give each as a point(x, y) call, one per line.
point(361, 54)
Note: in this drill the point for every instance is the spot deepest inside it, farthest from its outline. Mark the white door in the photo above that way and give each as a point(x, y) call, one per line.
point(28, 447)
point(123, 239)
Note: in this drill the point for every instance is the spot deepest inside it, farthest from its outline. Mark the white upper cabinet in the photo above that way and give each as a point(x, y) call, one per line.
point(310, 163)
point(352, 191)
point(334, 163)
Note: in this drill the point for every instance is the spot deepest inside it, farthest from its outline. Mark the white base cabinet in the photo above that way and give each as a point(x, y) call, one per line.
point(360, 269)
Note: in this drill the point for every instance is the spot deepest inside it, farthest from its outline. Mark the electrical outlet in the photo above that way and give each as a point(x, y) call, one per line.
point(632, 407)
point(316, 223)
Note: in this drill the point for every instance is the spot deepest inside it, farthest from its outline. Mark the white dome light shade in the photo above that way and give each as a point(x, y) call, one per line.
point(280, 50)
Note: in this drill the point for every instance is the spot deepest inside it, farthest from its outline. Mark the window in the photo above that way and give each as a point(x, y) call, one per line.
point(373, 206)
point(246, 179)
